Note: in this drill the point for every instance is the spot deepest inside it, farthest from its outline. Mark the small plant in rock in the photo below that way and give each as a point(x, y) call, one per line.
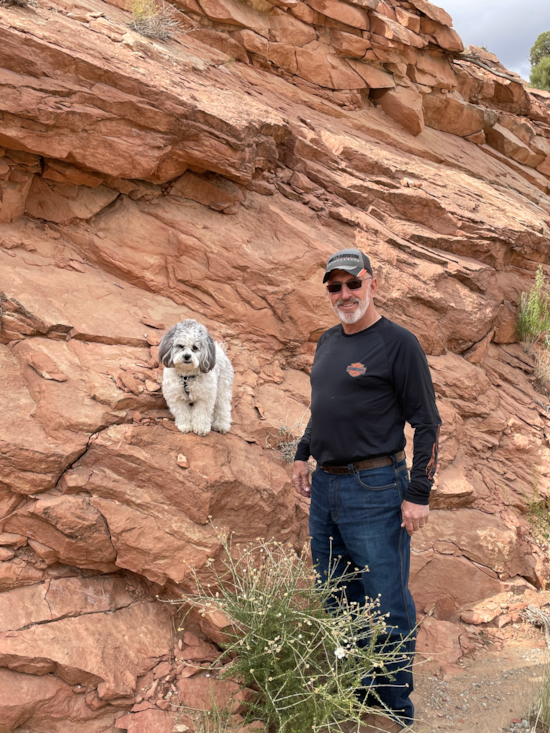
point(152, 19)
point(539, 714)
point(306, 662)
point(542, 370)
point(533, 321)
point(287, 439)
point(538, 515)
point(16, 3)
point(212, 721)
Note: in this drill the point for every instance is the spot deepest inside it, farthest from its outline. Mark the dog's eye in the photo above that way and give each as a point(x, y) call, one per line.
point(195, 348)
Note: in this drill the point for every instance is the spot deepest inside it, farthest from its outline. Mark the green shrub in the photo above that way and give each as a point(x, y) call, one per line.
point(533, 322)
point(153, 20)
point(305, 662)
point(540, 49)
point(538, 515)
point(540, 74)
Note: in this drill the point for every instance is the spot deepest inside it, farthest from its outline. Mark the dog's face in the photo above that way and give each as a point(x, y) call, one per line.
point(189, 347)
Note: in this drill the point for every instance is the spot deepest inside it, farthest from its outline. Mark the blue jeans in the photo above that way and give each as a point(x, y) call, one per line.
point(357, 518)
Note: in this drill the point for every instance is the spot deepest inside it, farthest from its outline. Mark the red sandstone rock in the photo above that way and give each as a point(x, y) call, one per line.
point(343, 12)
point(404, 106)
point(453, 230)
point(148, 721)
point(449, 112)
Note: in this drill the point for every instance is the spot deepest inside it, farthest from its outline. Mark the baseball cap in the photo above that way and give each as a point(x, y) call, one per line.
point(351, 260)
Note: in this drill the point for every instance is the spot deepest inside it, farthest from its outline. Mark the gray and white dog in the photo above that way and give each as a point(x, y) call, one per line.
point(198, 379)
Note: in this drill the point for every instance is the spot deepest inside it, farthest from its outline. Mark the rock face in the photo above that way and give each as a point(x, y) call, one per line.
point(210, 177)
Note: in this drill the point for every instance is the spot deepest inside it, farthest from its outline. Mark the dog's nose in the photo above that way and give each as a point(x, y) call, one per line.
point(187, 357)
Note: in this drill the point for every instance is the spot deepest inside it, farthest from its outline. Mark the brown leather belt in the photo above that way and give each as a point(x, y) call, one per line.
point(363, 465)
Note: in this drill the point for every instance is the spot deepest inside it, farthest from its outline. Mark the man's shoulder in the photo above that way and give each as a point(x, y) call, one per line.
point(399, 335)
point(334, 331)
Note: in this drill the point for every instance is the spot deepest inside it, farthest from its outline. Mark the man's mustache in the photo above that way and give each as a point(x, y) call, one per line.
point(347, 301)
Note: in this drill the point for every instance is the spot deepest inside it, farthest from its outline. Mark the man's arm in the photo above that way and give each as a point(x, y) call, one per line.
point(300, 475)
point(415, 390)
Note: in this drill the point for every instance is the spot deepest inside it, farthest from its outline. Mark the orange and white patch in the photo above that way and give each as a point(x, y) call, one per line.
point(356, 370)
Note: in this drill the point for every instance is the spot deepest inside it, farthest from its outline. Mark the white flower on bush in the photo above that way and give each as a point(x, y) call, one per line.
point(340, 652)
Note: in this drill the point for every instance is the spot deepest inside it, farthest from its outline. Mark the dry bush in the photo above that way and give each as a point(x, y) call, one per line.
point(15, 3)
point(542, 369)
point(153, 20)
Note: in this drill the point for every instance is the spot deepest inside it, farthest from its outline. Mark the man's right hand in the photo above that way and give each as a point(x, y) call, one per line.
point(301, 478)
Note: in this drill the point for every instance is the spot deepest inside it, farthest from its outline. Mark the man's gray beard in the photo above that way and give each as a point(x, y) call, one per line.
point(350, 318)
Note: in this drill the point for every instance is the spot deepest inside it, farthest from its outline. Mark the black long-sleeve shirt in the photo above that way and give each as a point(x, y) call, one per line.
point(364, 386)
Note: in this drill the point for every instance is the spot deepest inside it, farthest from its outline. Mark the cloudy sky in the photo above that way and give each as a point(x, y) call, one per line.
point(508, 28)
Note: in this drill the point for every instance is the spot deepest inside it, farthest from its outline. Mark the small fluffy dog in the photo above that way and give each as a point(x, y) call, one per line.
point(198, 379)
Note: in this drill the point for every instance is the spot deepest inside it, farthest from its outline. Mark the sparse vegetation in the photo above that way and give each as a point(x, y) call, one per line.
point(212, 721)
point(542, 370)
point(287, 439)
point(305, 662)
point(533, 322)
point(152, 19)
point(16, 3)
point(538, 515)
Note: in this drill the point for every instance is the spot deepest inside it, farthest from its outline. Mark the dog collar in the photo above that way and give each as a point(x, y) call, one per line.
point(185, 380)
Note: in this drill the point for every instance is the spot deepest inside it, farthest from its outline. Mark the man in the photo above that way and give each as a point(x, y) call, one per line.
point(369, 376)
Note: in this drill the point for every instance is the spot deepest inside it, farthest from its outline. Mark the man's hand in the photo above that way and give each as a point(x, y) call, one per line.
point(301, 478)
point(414, 516)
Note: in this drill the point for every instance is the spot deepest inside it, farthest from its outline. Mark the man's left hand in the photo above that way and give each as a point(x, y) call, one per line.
point(414, 516)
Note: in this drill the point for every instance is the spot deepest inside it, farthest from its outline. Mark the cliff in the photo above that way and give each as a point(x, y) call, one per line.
point(210, 176)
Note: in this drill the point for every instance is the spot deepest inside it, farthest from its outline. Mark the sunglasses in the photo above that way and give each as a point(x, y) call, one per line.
point(350, 284)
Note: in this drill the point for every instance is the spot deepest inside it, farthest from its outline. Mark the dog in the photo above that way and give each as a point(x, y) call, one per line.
point(198, 379)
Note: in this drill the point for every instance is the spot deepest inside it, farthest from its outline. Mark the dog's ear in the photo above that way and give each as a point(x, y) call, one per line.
point(207, 360)
point(165, 347)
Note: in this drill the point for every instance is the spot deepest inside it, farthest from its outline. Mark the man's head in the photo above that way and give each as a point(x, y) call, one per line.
point(350, 284)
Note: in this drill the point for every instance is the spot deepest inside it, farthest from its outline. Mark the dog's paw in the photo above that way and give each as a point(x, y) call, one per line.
point(183, 427)
point(201, 431)
point(223, 429)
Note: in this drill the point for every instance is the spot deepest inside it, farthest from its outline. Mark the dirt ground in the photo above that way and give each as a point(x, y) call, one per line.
point(492, 691)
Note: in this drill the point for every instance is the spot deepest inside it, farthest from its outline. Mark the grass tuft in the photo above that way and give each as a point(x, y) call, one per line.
point(305, 662)
point(153, 20)
point(533, 321)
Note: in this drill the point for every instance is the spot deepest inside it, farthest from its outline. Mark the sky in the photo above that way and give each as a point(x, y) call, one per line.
point(507, 28)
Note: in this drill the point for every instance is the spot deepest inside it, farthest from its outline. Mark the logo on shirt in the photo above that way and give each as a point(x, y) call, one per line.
point(356, 370)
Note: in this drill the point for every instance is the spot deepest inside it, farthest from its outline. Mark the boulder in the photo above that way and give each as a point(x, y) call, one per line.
point(147, 721)
point(214, 191)
point(285, 28)
point(506, 142)
point(450, 113)
point(374, 77)
point(393, 31)
point(348, 14)
point(435, 71)
point(14, 192)
point(65, 201)
point(236, 12)
point(433, 11)
point(107, 650)
point(404, 106)
point(439, 642)
point(446, 37)
point(326, 70)
point(348, 44)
